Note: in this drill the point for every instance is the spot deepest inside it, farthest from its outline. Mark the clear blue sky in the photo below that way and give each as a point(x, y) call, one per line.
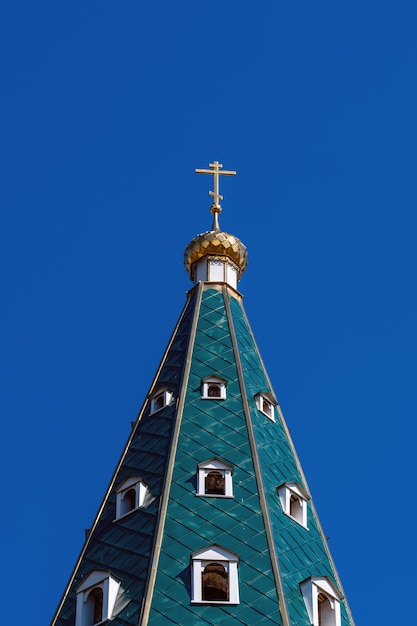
point(106, 109)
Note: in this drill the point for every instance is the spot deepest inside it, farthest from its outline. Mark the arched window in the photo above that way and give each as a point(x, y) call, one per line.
point(214, 483)
point(213, 391)
point(128, 501)
point(296, 508)
point(95, 600)
point(158, 402)
point(214, 576)
point(215, 583)
point(130, 495)
point(214, 479)
point(324, 610)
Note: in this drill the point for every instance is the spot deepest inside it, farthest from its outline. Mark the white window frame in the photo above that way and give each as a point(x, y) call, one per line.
point(166, 395)
point(203, 469)
point(140, 487)
point(213, 380)
point(311, 588)
point(285, 491)
point(268, 398)
point(108, 584)
point(214, 554)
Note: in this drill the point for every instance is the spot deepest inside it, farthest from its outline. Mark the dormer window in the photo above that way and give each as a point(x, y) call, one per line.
point(130, 495)
point(214, 479)
point(160, 399)
point(213, 388)
point(266, 403)
point(322, 600)
point(214, 576)
point(96, 597)
point(294, 502)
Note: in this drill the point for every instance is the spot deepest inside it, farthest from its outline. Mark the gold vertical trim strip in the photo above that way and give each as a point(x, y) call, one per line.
point(115, 473)
point(305, 483)
point(170, 468)
point(264, 507)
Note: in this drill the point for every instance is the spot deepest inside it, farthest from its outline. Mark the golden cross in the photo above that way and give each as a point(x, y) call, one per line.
point(216, 173)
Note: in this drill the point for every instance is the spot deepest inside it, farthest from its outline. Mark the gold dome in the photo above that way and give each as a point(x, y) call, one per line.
point(216, 243)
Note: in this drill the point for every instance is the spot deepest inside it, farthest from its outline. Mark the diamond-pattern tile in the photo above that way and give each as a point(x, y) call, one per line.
point(209, 429)
point(218, 429)
point(301, 552)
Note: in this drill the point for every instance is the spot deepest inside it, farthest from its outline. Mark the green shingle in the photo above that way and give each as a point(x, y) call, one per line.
point(208, 429)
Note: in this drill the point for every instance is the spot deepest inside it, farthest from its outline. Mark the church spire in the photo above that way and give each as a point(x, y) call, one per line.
point(208, 518)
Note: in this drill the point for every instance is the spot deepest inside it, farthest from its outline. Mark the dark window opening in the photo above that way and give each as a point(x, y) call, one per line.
point(96, 596)
point(214, 483)
point(129, 500)
point(213, 391)
point(266, 407)
point(215, 583)
point(159, 402)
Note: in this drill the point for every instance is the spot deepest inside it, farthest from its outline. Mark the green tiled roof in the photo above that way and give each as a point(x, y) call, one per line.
point(302, 553)
point(124, 547)
point(211, 428)
point(275, 553)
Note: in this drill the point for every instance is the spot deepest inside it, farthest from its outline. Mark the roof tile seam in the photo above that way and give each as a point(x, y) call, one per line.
point(273, 554)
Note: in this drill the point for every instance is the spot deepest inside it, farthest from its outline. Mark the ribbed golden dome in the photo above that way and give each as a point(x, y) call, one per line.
point(216, 243)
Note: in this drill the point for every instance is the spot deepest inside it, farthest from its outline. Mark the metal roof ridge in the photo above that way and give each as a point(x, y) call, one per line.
point(258, 473)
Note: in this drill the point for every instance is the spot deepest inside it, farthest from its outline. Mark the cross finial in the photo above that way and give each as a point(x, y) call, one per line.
point(216, 171)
